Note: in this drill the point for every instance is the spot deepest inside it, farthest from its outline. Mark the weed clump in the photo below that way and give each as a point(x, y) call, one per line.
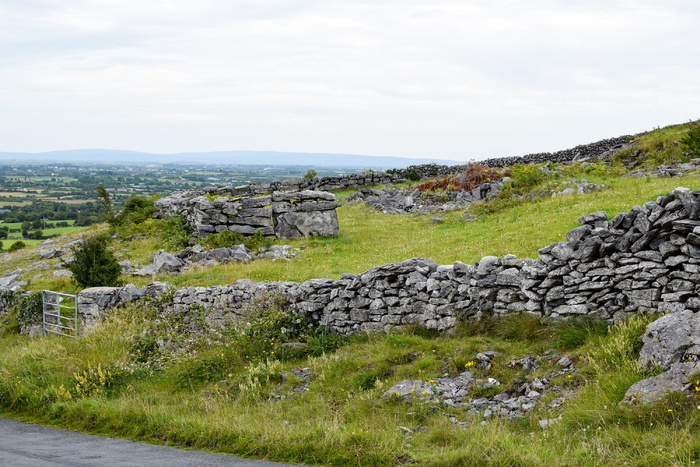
point(272, 330)
point(471, 178)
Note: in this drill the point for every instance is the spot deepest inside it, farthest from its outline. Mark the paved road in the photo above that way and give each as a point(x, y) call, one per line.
point(25, 445)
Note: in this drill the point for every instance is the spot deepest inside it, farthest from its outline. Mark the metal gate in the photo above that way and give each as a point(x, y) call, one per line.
point(60, 314)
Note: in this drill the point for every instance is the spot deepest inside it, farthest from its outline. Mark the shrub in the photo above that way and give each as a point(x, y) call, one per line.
point(137, 210)
point(525, 178)
point(94, 265)
point(29, 308)
point(413, 175)
point(310, 174)
point(26, 308)
point(18, 245)
point(691, 140)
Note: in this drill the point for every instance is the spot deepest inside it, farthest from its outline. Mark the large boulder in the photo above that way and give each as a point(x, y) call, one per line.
point(673, 338)
point(672, 343)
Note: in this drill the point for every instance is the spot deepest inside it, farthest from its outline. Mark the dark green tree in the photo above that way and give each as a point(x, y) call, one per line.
point(94, 265)
point(310, 174)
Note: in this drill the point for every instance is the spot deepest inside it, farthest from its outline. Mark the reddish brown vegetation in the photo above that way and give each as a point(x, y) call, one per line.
point(471, 178)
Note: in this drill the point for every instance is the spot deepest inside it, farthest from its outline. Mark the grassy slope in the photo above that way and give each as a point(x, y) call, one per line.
point(369, 238)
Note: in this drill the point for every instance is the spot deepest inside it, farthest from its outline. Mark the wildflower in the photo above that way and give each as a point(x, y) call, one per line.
point(468, 364)
point(432, 381)
point(413, 390)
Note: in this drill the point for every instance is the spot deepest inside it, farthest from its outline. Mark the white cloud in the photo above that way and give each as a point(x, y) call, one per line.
point(409, 78)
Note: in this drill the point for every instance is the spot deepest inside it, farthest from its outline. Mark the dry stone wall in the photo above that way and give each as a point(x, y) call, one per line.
point(597, 150)
point(645, 260)
point(282, 214)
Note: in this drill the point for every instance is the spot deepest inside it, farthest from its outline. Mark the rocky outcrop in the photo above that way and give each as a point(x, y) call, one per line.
point(395, 200)
point(282, 214)
point(515, 400)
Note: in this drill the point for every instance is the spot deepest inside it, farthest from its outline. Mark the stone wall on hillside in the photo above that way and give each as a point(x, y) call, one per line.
point(645, 260)
point(598, 150)
point(282, 214)
point(289, 186)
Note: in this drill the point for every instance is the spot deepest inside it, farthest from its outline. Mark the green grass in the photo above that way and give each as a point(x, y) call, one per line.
point(8, 243)
point(660, 146)
point(217, 401)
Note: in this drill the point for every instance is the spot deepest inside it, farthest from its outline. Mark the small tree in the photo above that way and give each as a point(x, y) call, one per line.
point(106, 202)
point(310, 174)
point(94, 265)
point(413, 175)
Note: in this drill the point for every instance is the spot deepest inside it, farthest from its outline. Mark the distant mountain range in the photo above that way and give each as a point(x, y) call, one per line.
point(110, 156)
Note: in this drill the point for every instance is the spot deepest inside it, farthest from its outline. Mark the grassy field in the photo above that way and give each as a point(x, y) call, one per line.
point(29, 241)
point(61, 231)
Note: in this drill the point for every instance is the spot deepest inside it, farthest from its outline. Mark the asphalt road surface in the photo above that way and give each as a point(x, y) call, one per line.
point(25, 445)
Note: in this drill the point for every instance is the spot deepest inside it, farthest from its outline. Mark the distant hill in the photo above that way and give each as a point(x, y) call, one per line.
point(110, 156)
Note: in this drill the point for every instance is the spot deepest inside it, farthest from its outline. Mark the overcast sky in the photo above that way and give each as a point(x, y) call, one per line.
point(460, 80)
